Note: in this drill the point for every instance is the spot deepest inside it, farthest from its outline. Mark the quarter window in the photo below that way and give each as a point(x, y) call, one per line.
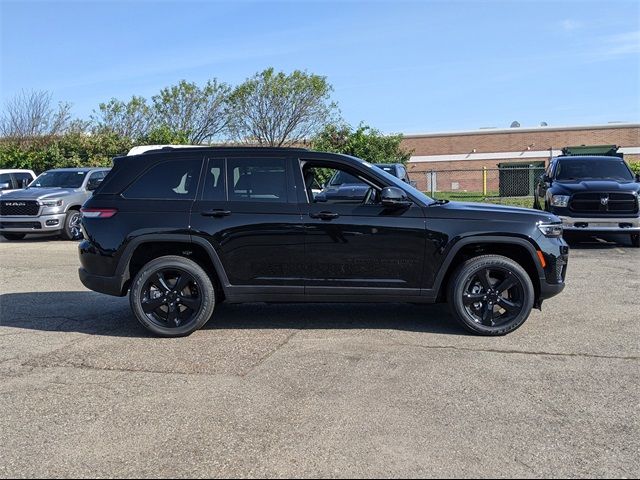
point(170, 180)
point(257, 179)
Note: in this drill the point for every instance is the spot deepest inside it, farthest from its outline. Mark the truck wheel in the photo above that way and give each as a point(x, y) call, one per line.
point(14, 236)
point(536, 204)
point(72, 229)
point(172, 296)
point(635, 240)
point(491, 295)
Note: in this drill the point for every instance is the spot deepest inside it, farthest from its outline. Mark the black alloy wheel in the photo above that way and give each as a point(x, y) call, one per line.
point(491, 295)
point(172, 296)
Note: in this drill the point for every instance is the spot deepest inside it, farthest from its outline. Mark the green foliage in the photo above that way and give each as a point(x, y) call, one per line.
point(164, 135)
point(635, 166)
point(277, 109)
point(364, 142)
point(74, 149)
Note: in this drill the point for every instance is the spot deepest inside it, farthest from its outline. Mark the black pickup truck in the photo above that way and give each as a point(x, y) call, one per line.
point(595, 194)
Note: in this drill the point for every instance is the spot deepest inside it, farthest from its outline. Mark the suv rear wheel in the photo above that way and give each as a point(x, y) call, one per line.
point(635, 240)
point(172, 296)
point(491, 295)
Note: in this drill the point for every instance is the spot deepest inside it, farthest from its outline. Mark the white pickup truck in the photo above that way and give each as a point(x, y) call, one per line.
point(14, 179)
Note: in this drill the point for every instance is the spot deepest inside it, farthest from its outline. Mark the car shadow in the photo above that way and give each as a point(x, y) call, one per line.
point(94, 314)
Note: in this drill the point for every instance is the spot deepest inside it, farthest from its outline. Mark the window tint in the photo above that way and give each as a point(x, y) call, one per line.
point(6, 178)
point(214, 184)
point(23, 178)
point(343, 187)
point(171, 180)
point(97, 175)
point(257, 179)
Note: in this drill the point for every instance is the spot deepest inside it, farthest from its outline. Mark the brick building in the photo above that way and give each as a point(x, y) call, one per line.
point(473, 150)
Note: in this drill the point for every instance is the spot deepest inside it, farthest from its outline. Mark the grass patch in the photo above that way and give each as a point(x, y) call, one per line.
point(492, 197)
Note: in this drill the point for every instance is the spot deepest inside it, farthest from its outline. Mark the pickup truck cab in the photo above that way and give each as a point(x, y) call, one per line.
point(595, 194)
point(14, 179)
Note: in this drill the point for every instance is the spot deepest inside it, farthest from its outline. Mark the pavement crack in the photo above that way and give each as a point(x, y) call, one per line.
point(520, 352)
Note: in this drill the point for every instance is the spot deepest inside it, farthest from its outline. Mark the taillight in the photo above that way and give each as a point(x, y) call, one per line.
point(98, 212)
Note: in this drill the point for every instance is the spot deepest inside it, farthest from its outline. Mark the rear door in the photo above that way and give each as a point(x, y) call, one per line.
point(248, 212)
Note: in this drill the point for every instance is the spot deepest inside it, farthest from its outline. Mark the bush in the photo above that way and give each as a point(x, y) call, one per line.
point(70, 150)
point(635, 166)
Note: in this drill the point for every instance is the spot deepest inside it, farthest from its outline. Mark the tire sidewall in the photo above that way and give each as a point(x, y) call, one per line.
point(468, 269)
point(66, 231)
point(180, 263)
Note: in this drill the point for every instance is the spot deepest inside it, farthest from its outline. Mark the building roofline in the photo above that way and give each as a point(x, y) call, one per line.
point(488, 131)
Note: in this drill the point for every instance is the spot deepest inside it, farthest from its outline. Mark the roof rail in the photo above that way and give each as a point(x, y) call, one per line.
point(148, 148)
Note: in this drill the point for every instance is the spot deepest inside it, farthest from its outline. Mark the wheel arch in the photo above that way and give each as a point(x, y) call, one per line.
point(147, 247)
point(518, 249)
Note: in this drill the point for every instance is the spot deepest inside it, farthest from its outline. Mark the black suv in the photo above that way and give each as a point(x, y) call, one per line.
point(185, 228)
point(595, 194)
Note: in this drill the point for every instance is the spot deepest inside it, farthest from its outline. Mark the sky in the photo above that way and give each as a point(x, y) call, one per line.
point(401, 67)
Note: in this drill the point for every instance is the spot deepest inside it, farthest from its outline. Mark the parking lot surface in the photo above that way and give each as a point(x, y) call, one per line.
point(317, 390)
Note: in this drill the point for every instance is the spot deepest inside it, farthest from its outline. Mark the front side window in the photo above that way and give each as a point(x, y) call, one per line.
point(59, 179)
point(325, 184)
point(23, 179)
point(169, 180)
point(257, 179)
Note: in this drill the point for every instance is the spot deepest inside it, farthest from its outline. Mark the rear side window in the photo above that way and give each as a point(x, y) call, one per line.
point(214, 184)
point(170, 180)
point(257, 179)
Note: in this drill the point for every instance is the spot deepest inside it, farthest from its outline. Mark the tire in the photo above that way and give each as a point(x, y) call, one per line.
point(157, 303)
point(14, 236)
point(536, 204)
point(72, 229)
point(479, 306)
point(635, 240)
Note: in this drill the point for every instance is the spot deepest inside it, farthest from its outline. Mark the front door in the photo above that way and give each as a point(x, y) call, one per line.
point(354, 244)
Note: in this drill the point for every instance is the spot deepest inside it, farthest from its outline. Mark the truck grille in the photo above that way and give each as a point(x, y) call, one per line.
point(604, 202)
point(19, 207)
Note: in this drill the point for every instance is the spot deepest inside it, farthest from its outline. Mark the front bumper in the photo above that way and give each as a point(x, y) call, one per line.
point(600, 224)
point(32, 224)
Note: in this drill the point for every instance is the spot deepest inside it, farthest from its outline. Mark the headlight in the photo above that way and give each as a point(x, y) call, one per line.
point(51, 203)
point(550, 229)
point(560, 200)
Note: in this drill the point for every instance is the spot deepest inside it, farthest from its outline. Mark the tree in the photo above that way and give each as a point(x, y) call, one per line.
point(276, 109)
point(130, 119)
point(200, 113)
point(32, 114)
point(363, 142)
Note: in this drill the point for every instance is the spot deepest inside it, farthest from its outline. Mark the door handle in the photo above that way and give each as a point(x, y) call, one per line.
point(216, 213)
point(324, 215)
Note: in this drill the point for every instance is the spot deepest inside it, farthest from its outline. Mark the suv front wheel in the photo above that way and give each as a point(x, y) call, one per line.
point(172, 296)
point(491, 295)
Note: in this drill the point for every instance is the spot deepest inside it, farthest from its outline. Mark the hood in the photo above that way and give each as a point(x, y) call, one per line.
point(595, 186)
point(490, 211)
point(38, 193)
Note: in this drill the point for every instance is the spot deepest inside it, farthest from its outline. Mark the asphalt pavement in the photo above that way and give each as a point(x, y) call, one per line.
point(317, 390)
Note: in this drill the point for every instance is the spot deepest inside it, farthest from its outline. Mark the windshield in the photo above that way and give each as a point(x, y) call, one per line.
point(388, 168)
point(593, 169)
point(343, 177)
point(60, 179)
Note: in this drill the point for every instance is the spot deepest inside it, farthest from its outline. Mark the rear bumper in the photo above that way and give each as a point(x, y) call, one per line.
point(32, 224)
point(599, 224)
point(108, 285)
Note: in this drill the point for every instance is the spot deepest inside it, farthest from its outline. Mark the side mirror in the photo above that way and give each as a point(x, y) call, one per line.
point(5, 186)
point(394, 197)
point(547, 179)
point(638, 177)
point(93, 184)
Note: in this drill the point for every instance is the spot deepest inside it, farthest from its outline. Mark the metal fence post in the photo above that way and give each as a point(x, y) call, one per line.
point(484, 181)
point(433, 188)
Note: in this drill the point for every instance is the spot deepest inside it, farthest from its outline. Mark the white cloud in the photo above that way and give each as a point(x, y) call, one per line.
point(569, 25)
point(619, 45)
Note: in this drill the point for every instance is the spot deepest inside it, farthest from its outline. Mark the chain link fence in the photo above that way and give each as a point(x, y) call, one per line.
point(512, 185)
